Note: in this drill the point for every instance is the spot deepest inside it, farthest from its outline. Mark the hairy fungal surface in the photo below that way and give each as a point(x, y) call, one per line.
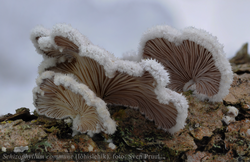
point(194, 59)
point(59, 102)
point(119, 82)
point(60, 96)
point(122, 89)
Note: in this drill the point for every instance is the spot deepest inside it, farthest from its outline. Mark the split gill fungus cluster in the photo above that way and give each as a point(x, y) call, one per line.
point(77, 79)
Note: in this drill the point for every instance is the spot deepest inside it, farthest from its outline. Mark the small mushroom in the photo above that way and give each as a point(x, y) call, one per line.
point(231, 114)
point(60, 96)
point(232, 111)
point(228, 119)
point(119, 82)
point(194, 59)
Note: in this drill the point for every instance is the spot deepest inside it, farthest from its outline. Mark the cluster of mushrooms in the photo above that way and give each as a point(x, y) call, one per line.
point(77, 79)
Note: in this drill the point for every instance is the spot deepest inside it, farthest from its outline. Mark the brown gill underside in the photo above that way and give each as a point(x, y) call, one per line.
point(122, 89)
point(185, 62)
point(58, 102)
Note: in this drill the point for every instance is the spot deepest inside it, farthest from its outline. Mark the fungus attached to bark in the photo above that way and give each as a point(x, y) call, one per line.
point(60, 96)
point(231, 114)
point(194, 59)
point(136, 85)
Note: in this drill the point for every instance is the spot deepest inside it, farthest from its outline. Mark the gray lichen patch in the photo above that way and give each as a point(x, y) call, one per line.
point(19, 133)
point(80, 143)
point(237, 137)
point(182, 142)
point(204, 117)
point(239, 93)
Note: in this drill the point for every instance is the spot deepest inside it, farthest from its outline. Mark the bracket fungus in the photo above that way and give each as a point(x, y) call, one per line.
point(194, 59)
point(60, 96)
point(120, 82)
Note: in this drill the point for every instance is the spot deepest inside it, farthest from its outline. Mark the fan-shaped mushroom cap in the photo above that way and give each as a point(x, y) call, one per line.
point(36, 33)
point(46, 40)
point(194, 59)
point(137, 85)
point(60, 96)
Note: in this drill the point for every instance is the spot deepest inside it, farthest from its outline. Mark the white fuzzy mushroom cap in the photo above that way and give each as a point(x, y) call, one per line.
point(232, 111)
point(228, 119)
point(120, 82)
point(201, 38)
point(231, 114)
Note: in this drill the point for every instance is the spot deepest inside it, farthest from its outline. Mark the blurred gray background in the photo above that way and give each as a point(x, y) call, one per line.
point(116, 25)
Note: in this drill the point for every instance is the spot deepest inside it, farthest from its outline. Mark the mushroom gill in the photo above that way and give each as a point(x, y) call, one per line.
point(136, 85)
point(187, 64)
point(194, 59)
point(122, 89)
point(60, 96)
